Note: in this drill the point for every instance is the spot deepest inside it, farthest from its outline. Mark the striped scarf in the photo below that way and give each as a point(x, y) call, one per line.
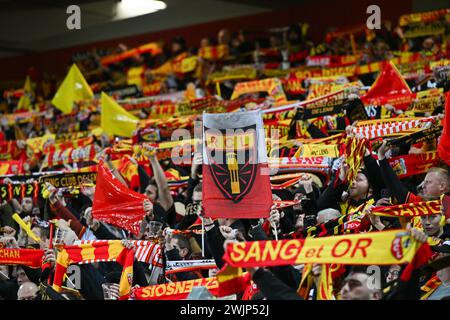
point(214, 53)
point(342, 225)
point(310, 164)
point(83, 142)
point(71, 155)
point(354, 152)
point(147, 252)
point(429, 287)
point(97, 251)
point(377, 128)
point(325, 289)
point(189, 265)
point(412, 209)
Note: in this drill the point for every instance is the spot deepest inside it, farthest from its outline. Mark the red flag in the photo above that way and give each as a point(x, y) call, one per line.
point(116, 204)
point(236, 180)
point(420, 259)
point(389, 87)
point(446, 205)
point(444, 141)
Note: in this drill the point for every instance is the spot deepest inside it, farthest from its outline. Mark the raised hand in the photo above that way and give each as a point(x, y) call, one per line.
point(343, 172)
point(8, 231)
point(148, 208)
point(417, 234)
point(274, 217)
point(306, 181)
point(228, 232)
point(197, 161)
point(382, 150)
point(149, 150)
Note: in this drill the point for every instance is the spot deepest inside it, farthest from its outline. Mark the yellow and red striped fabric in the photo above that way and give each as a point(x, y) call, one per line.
point(83, 142)
point(102, 251)
point(214, 53)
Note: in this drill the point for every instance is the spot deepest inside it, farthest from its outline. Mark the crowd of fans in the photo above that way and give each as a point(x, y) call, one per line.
point(179, 208)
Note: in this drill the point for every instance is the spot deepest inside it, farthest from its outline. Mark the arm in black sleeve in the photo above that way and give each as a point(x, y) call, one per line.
point(103, 233)
point(139, 277)
point(272, 287)
point(331, 196)
point(144, 179)
point(187, 221)
point(286, 224)
point(288, 274)
point(91, 282)
point(375, 179)
point(399, 191)
point(310, 206)
point(190, 189)
point(34, 274)
point(257, 233)
point(404, 147)
point(6, 213)
point(215, 242)
point(171, 216)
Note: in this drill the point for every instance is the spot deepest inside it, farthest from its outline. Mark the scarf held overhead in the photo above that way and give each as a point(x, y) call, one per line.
point(383, 248)
point(27, 257)
point(112, 250)
point(415, 209)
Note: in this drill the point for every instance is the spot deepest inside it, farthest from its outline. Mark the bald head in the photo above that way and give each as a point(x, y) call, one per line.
point(27, 291)
point(326, 215)
point(436, 182)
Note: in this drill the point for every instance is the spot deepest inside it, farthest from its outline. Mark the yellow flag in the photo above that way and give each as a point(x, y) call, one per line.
point(189, 64)
point(73, 88)
point(134, 76)
point(115, 120)
point(25, 99)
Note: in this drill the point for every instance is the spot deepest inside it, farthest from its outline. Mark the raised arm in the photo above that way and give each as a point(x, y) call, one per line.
point(333, 192)
point(399, 191)
point(164, 196)
point(116, 173)
point(374, 174)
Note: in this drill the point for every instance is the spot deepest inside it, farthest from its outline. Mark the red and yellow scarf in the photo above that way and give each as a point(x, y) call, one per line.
point(103, 251)
point(383, 248)
point(28, 257)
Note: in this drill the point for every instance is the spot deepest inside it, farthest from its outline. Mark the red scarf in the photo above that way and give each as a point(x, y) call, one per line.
point(28, 257)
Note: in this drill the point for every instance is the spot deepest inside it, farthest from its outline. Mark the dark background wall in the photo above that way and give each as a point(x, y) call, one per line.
point(320, 14)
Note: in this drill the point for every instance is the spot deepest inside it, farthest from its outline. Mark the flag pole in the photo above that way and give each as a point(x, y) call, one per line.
point(50, 244)
point(203, 238)
point(275, 231)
